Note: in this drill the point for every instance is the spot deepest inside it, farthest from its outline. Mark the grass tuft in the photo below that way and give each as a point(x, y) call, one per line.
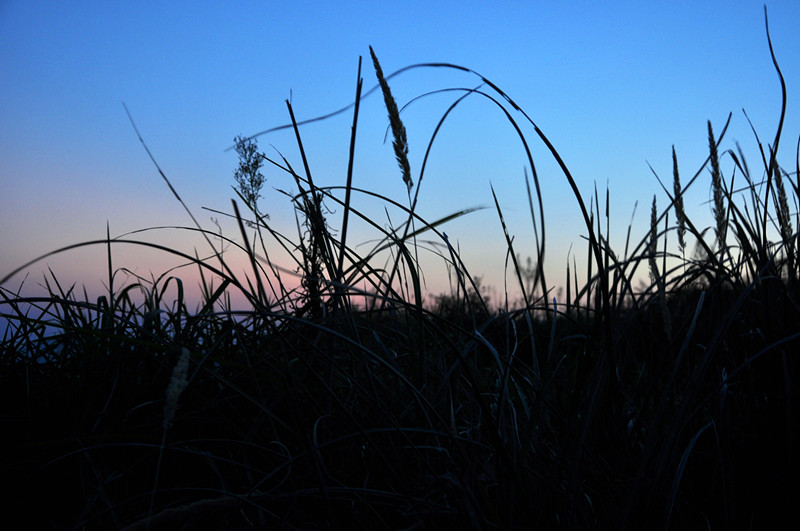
point(338, 394)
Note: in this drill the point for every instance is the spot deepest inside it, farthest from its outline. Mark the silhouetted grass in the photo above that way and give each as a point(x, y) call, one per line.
point(348, 403)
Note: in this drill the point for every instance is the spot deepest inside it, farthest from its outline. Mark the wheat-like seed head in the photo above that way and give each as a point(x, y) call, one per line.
point(784, 220)
point(716, 186)
point(651, 248)
point(400, 143)
point(680, 213)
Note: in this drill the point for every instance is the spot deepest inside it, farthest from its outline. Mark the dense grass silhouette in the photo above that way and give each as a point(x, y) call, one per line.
point(350, 402)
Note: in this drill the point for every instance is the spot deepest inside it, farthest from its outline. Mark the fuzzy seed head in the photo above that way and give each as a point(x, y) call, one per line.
point(178, 382)
point(400, 143)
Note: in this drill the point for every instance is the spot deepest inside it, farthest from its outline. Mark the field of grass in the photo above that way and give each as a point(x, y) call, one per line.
point(352, 401)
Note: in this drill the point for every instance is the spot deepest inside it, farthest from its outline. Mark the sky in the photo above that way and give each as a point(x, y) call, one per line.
point(613, 85)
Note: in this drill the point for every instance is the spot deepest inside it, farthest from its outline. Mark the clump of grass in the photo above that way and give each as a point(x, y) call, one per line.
point(348, 403)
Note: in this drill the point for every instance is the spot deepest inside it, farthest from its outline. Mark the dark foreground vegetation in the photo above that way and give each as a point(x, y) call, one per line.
point(348, 403)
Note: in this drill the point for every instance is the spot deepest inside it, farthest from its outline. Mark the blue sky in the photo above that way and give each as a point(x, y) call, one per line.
point(613, 84)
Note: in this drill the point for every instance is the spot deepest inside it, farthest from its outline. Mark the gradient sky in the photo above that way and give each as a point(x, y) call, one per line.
point(613, 84)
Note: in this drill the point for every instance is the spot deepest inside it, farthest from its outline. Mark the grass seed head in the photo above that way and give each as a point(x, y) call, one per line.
point(400, 143)
point(651, 248)
point(679, 211)
point(178, 382)
point(249, 178)
point(716, 186)
point(784, 219)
